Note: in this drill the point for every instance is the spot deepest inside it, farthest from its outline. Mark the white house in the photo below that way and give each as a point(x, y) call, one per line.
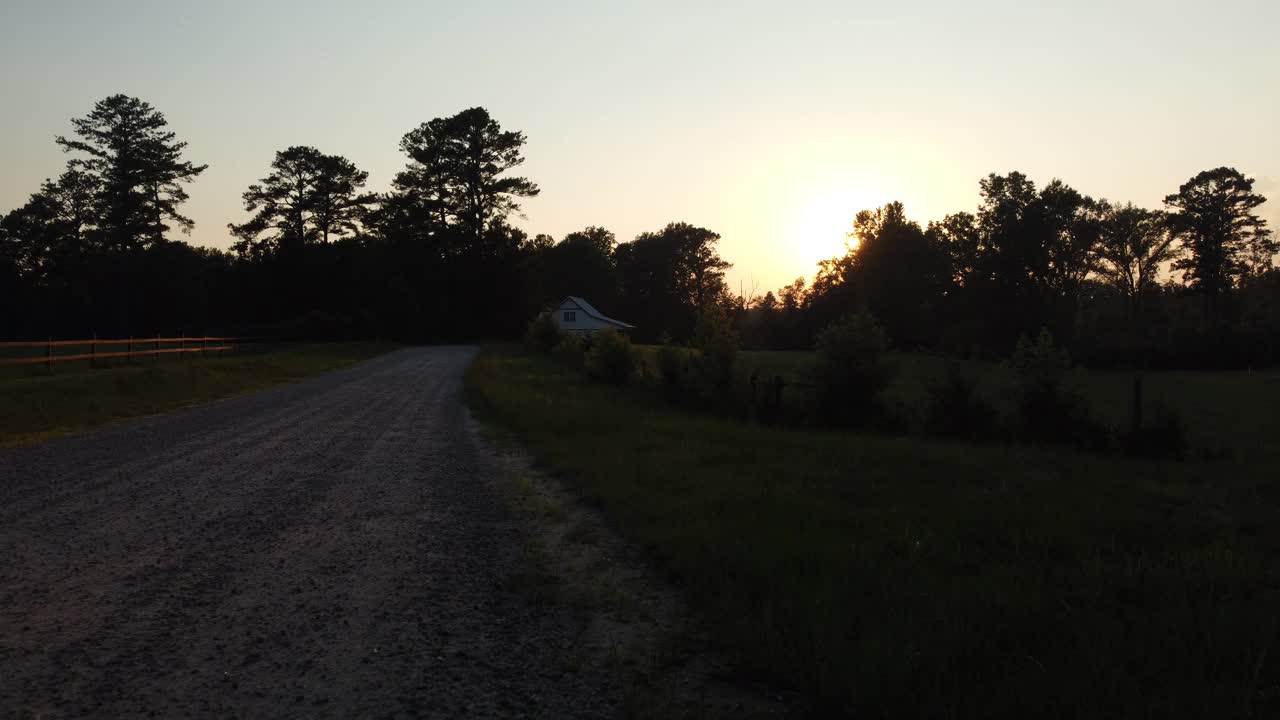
point(576, 315)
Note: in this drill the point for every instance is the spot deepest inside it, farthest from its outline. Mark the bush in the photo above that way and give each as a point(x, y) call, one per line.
point(572, 348)
point(672, 370)
point(850, 371)
point(956, 410)
point(1048, 411)
point(1163, 437)
point(1051, 414)
point(610, 358)
point(717, 345)
point(1040, 360)
point(543, 333)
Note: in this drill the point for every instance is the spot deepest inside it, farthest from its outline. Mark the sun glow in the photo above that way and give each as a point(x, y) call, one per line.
point(821, 223)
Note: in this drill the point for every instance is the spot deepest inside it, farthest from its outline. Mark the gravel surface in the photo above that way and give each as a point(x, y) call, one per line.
point(332, 548)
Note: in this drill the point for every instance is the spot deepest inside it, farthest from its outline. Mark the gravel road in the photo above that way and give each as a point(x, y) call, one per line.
point(332, 548)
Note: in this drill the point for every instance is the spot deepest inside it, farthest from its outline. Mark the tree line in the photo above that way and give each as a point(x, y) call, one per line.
point(436, 257)
point(1193, 284)
point(319, 255)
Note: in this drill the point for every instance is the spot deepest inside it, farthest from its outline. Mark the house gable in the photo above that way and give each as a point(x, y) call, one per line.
point(574, 314)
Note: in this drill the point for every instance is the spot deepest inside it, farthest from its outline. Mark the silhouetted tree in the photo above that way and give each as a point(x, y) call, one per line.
point(1213, 215)
point(580, 264)
point(1035, 249)
point(340, 208)
point(1133, 244)
point(1072, 223)
point(768, 303)
point(135, 165)
point(309, 197)
point(666, 277)
point(539, 242)
point(89, 252)
point(48, 233)
point(958, 236)
point(457, 172)
point(891, 268)
point(794, 296)
point(604, 241)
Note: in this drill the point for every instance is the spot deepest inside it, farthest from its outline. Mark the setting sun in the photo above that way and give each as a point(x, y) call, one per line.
point(512, 359)
point(821, 222)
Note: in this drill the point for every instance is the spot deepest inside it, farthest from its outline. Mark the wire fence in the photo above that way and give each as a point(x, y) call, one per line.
point(51, 352)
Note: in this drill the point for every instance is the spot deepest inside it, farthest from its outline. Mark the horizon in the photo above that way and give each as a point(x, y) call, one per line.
point(756, 129)
point(1006, 450)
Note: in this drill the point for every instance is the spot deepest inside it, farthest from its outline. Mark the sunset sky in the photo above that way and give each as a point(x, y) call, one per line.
point(770, 123)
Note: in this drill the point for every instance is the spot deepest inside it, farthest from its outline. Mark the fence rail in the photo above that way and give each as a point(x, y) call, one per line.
point(154, 347)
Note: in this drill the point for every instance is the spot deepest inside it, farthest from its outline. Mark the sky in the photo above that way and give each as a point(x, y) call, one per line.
point(771, 123)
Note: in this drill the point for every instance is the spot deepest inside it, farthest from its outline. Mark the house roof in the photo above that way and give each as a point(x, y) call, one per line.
point(587, 308)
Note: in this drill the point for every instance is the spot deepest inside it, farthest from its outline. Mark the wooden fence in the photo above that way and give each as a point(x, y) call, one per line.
point(154, 347)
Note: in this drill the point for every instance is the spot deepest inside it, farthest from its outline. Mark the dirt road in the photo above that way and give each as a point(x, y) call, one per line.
point(333, 548)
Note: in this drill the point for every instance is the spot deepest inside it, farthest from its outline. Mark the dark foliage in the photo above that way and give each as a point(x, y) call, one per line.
point(543, 333)
point(667, 277)
point(572, 349)
point(711, 366)
point(956, 410)
point(673, 371)
point(1163, 437)
point(308, 198)
point(610, 358)
point(1048, 410)
point(437, 259)
point(1213, 213)
point(1051, 414)
point(851, 371)
point(1091, 271)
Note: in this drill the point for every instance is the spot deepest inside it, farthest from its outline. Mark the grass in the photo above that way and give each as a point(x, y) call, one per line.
point(898, 577)
point(37, 405)
point(1227, 410)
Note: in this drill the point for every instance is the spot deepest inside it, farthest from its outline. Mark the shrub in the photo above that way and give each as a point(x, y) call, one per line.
point(1040, 360)
point(1163, 437)
point(543, 333)
point(672, 370)
point(956, 410)
point(1052, 414)
point(717, 345)
point(610, 358)
point(572, 348)
point(850, 370)
point(1048, 411)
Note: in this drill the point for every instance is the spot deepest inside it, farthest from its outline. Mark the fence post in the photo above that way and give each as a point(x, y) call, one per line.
point(93, 352)
point(182, 344)
point(157, 347)
point(48, 355)
point(128, 359)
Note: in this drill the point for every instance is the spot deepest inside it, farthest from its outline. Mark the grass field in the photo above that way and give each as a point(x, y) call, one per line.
point(1234, 411)
point(899, 577)
point(35, 405)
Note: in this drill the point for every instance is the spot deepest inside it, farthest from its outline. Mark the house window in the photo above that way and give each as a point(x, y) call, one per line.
point(570, 316)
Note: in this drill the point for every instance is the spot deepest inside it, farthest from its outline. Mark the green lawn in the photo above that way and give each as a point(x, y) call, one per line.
point(35, 405)
point(898, 577)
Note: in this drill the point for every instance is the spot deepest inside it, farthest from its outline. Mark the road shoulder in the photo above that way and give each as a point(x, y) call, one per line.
point(635, 622)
